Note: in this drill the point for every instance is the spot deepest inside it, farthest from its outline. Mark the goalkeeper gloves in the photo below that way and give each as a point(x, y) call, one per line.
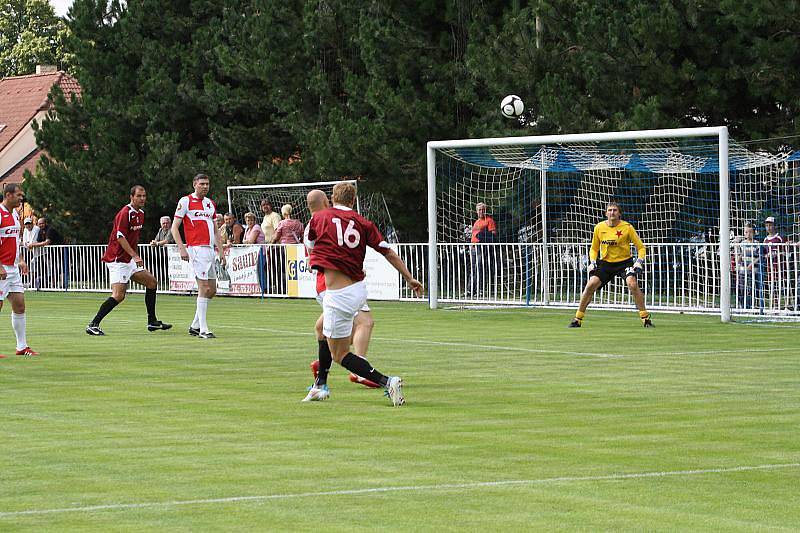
point(592, 267)
point(638, 265)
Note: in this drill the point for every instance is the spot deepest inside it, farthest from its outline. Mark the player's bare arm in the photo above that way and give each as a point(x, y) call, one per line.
point(220, 250)
point(123, 242)
point(176, 234)
point(400, 266)
point(23, 267)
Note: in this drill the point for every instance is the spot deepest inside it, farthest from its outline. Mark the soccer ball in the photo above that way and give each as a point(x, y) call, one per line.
point(512, 106)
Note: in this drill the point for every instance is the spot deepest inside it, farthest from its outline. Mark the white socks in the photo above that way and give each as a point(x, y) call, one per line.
point(200, 315)
point(18, 323)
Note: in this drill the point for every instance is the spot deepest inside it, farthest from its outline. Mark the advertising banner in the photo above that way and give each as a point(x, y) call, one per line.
point(241, 275)
point(238, 278)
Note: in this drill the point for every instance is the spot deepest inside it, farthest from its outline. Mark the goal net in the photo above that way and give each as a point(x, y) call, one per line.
point(545, 194)
point(249, 198)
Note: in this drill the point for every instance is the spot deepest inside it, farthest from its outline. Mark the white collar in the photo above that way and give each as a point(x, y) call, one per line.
point(342, 207)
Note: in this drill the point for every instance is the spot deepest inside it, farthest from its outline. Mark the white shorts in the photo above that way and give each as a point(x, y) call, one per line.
point(340, 307)
point(12, 283)
point(201, 259)
point(122, 272)
point(364, 308)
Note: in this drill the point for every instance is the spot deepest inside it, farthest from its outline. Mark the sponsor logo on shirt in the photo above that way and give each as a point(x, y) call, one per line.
point(9, 231)
point(202, 214)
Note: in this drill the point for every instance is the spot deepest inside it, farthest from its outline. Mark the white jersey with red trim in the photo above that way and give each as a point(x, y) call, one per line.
point(9, 236)
point(198, 219)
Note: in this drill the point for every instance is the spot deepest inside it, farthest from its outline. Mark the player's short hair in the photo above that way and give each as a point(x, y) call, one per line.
point(344, 193)
point(200, 177)
point(615, 204)
point(286, 210)
point(136, 188)
point(11, 188)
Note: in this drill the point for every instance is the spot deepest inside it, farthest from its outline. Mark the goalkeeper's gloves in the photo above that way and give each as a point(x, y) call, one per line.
point(592, 267)
point(638, 265)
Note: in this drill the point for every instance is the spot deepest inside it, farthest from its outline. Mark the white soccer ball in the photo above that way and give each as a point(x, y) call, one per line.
point(512, 106)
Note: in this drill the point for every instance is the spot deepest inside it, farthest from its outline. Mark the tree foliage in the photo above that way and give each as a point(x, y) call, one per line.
point(260, 91)
point(31, 34)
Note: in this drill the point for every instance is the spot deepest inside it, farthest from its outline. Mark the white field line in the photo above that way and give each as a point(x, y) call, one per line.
point(467, 345)
point(408, 488)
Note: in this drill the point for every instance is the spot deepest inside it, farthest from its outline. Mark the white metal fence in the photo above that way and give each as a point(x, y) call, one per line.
point(677, 277)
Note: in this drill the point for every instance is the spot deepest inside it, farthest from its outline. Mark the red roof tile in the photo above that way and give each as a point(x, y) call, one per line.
point(15, 173)
point(21, 97)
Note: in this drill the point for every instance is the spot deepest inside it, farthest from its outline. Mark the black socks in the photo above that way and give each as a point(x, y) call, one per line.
point(105, 308)
point(361, 367)
point(150, 302)
point(325, 361)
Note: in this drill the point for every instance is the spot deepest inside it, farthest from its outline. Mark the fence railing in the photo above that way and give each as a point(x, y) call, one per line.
point(678, 277)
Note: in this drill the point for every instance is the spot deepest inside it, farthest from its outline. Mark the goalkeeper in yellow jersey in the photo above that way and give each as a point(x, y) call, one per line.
point(610, 256)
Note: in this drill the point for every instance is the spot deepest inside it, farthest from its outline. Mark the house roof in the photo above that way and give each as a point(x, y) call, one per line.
point(22, 97)
point(15, 173)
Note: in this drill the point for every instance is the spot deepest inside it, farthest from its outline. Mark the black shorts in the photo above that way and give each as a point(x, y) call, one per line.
point(607, 271)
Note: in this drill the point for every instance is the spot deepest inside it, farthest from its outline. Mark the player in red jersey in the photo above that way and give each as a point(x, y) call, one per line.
point(363, 322)
point(338, 238)
point(124, 264)
point(198, 214)
point(12, 266)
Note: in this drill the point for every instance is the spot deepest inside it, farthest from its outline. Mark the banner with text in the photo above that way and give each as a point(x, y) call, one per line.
point(240, 276)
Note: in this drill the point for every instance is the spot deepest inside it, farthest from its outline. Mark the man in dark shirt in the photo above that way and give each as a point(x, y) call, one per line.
point(47, 235)
point(47, 264)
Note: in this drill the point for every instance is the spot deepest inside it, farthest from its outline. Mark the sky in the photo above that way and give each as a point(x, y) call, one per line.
point(61, 6)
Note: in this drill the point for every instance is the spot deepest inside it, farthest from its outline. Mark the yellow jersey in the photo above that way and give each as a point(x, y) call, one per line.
point(613, 244)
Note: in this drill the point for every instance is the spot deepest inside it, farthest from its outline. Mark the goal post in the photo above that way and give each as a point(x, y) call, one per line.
point(563, 181)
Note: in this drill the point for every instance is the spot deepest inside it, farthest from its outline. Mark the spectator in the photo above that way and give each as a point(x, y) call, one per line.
point(748, 268)
point(484, 230)
point(271, 220)
point(253, 234)
point(47, 267)
point(164, 235)
point(774, 257)
point(289, 231)
point(30, 233)
point(47, 235)
point(232, 231)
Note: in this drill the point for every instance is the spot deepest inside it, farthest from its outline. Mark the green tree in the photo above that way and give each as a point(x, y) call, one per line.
point(239, 88)
point(637, 65)
point(159, 104)
point(31, 34)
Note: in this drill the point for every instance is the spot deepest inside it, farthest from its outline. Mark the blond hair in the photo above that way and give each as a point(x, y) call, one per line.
point(286, 210)
point(344, 193)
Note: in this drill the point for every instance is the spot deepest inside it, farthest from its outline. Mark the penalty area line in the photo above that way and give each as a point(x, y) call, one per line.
point(408, 488)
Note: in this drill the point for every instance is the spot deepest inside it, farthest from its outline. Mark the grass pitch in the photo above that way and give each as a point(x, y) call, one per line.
point(513, 422)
